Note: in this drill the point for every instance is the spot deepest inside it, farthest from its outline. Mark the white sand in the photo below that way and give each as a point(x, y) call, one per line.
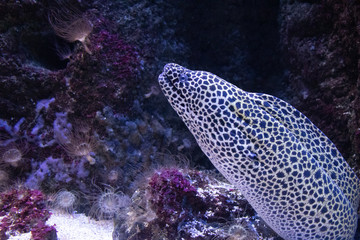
point(76, 227)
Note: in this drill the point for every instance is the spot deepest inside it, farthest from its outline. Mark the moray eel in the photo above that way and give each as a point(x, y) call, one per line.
point(288, 170)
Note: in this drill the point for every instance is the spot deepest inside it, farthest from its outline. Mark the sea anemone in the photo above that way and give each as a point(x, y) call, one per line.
point(64, 201)
point(12, 154)
point(78, 144)
point(70, 24)
point(109, 204)
point(242, 230)
point(113, 176)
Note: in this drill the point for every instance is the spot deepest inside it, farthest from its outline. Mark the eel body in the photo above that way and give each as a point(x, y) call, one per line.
point(288, 170)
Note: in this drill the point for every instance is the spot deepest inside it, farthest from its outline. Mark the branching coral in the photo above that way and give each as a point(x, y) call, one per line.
point(69, 24)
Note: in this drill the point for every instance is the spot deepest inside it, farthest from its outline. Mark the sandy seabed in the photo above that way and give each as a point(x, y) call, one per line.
point(76, 227)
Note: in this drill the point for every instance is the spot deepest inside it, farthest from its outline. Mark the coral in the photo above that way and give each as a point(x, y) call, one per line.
point(22, 210)
point(41, 231)
point(131, 147)
point(169, 189)
point(120, 58)
point(51, 167)
point(185, 204)
point(197, 229)
point(55, 172)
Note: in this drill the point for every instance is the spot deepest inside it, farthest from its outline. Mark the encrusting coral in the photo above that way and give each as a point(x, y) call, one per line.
point(178, 202)
point(169, 188)
point(24, 210)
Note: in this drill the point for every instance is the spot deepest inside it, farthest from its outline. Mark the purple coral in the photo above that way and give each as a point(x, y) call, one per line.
point(23, 210)
point(121, 58)
point(188, 204)
point(42, 231)
point(116, 65)
point(169, 189)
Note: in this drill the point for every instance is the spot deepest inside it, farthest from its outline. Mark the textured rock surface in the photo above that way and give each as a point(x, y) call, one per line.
point(320, 44)
point(260, 46)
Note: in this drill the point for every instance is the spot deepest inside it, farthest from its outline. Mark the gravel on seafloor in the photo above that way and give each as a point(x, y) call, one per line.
point(76, 227)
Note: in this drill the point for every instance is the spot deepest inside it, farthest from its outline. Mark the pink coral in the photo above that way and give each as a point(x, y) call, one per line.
point(42, 231)
point(22, 210)
point(169, 189)
point(121, 58)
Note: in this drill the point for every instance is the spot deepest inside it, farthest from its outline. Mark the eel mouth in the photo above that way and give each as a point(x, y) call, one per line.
point(171, 75)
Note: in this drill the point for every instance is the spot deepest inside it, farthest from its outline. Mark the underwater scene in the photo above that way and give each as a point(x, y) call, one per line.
point(179, 120)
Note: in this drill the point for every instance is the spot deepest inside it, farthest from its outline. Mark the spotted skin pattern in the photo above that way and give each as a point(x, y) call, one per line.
point(287, 169)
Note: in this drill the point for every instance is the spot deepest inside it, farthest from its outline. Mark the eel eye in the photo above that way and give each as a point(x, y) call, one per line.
point(183, 77)
point(252, 155)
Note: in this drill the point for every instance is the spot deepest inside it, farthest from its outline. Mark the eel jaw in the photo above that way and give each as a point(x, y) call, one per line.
point(173, 74)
